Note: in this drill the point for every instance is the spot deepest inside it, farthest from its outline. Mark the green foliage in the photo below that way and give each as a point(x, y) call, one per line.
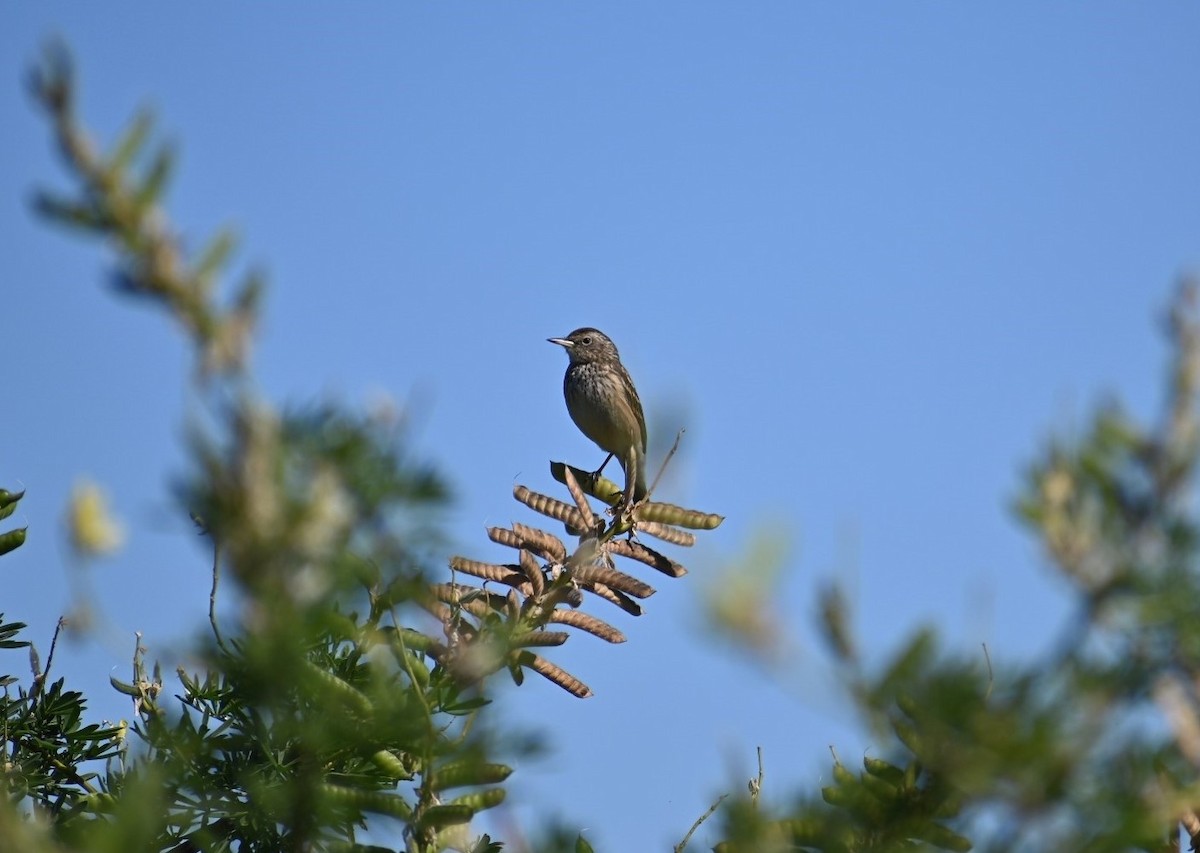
point(896, 805)
point(1094, 747)
point(330, 711)
point(47, 745)
point(11, 539)
point(321, 710)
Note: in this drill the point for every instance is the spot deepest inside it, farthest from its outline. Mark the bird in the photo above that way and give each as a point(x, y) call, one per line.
point(603, 403)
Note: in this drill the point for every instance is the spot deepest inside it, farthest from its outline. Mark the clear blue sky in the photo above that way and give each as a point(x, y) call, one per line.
point(868, 254)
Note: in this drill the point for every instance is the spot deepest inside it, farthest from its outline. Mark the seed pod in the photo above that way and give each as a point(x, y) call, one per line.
point(12, 540)
point(458, 774)
point(480, 800)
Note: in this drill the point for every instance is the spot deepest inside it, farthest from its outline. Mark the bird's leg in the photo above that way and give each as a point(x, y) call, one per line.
point(596, 474)
point(600, 470)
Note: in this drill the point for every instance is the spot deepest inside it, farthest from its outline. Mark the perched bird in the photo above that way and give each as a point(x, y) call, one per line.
point(604, 404)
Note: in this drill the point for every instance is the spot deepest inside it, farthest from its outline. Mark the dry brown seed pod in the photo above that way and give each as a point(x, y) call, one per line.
point(533, 571)
point(469, 598)
point(613, 596)
point(614, 579)
point(552, 507)
point(455, 628)
point(587, 622)
point(585, 508)
point(505, 574)
point(465, 595)
point(667, 533)
point(504, 536)
point(541, 542)
point(556, 674)
point(539, 638)
point(437, 610)
point(638, 551)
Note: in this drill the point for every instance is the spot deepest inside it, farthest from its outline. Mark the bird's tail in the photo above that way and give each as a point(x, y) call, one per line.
point(639, 472)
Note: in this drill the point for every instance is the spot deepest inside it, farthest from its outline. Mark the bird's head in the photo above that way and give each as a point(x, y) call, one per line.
point(587, 344)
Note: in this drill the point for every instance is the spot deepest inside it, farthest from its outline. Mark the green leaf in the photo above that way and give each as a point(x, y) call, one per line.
point(156, 177)
point(86, 216)
point(7, 632)
point(131, 143)
point(215, 255)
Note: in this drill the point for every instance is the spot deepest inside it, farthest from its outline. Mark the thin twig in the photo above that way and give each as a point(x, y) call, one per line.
point(756, 784)
point(40, 679)
point(991, 676)
point(62, 621)
point(662, 469)
point(212, 596)
point(679, 848)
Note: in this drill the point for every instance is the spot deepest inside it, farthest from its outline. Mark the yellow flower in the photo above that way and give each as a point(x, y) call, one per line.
point(93, 529)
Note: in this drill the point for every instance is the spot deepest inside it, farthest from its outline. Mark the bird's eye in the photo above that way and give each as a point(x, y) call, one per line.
point(587, 339)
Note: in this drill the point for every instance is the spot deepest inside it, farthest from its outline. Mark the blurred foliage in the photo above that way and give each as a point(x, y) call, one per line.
point(741, 600)
point(320, 709)
point(332, 713)
point(1094, 747)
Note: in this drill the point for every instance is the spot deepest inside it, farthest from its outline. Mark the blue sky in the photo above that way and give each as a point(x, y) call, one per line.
point(870, 255)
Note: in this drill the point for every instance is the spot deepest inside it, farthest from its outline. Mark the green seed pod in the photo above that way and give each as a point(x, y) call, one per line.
point(842, 775)
point(378, 802)
point(12, 540)
point(884, 770)
point(390, 764)
point(331, 685)
point(940, 836)
point(123, 687)
point(950, 806)
point(679, 516)
point(836, 796)
point(600, 488)
point(481, 800)
point(8, 502)
point(447, 815)
point(419, 670)
point(880, 789)
point(907, 733)
point(460, 773)
point(8, 498)
point(911, 773)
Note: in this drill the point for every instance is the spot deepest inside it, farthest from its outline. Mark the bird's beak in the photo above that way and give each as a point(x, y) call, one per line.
point(562, 342)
